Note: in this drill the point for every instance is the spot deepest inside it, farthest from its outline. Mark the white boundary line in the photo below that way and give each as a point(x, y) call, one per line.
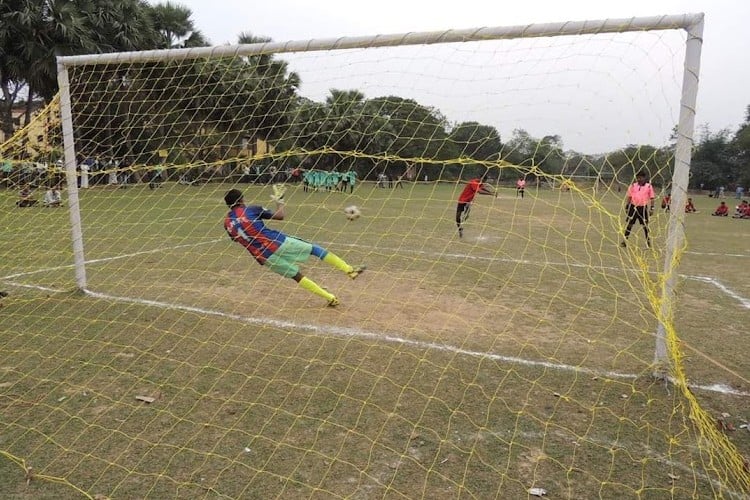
point(350, 332)
point(339, 331)
point(744, 302)
point(707, 279)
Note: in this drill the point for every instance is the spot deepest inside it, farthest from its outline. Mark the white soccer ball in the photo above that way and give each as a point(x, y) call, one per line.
point(352, 212)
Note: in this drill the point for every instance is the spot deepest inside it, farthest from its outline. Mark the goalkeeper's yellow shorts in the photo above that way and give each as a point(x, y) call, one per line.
point(284, 260)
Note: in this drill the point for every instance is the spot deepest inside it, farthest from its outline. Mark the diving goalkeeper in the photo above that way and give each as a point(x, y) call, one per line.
point(277, 251)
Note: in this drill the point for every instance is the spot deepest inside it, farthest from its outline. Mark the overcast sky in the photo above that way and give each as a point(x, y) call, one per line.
point(724, 91)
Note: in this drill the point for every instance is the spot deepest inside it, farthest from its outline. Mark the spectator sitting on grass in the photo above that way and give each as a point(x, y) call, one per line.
point(52, 198)
point(689, 207)
point(26, 197)
point(742, 211)
point(722, 210)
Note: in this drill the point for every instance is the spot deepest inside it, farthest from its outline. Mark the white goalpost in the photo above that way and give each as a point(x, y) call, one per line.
point(513, 333)
point(691, 23)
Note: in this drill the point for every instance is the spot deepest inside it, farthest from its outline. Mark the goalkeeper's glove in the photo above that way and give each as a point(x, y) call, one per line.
point(278, 193)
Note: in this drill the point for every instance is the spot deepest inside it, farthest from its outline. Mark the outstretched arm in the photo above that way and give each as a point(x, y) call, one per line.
point(279, 213)
point(485, 189)
point(278, 197)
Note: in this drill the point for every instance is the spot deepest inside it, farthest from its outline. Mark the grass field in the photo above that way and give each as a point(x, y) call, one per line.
point(517, 357)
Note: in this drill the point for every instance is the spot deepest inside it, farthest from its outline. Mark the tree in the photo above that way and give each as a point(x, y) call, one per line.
point(472, 139)
point(419, 136)
point(32, 34)
point(711, 163)
point(175, 28)
point(740, 145)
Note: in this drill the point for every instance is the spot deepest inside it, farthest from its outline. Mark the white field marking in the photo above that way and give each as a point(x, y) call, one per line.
point(717, 254)
point(37, 287)
point(108, 259)
point(704, 279)
point(742, 300)
point(339, 331)
point(707, 279)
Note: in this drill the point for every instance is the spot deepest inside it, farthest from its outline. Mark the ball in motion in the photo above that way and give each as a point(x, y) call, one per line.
point(352, 212)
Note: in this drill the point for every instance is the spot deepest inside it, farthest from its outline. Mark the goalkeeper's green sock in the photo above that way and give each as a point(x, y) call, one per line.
point(337, 262)
point(310, 285)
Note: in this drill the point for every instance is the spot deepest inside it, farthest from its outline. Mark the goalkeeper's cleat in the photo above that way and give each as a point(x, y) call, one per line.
point(356, 271)
point(333, 302)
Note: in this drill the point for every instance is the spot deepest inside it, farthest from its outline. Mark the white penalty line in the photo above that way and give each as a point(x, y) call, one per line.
point(704, 279)
point(707, 279)
point(745, 302)
point(108, 259)
point(339, 331)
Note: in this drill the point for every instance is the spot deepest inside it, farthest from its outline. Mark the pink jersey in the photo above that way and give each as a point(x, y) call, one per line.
point(640, 196)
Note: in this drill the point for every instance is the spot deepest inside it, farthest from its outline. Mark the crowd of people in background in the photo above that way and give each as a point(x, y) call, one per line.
point(742, 210)
point(314, 180)
point(93, 171)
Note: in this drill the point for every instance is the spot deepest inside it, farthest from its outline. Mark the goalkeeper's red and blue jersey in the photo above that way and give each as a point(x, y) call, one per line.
point(244, 224)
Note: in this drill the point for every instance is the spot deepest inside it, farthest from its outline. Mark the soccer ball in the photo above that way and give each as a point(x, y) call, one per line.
point(352, 212)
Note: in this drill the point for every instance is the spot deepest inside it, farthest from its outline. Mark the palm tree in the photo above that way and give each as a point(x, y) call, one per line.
point(32, 34)
point(175, 27)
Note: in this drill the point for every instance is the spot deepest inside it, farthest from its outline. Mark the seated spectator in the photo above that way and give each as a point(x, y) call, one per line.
point(742, 211)
point(52, 198)
point(689, 207)
point(26, 197)
point(666, 201)
point(722, 210)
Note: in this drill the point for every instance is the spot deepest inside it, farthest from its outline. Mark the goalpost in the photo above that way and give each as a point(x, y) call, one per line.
point(691, 23)
point(525, 355)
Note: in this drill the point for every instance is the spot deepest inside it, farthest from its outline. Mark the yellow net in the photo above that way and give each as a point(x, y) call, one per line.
point(512, 359)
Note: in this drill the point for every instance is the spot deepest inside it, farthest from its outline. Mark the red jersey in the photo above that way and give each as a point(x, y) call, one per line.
point(470, 191)
point(722, 209)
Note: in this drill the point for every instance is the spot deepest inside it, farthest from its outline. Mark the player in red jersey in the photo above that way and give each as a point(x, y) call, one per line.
point(474, 187)
point(722, 210)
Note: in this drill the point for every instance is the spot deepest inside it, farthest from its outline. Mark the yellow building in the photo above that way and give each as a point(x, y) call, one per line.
point(38, 138)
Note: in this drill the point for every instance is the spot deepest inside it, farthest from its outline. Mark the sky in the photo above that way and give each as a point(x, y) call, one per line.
point(724, 88)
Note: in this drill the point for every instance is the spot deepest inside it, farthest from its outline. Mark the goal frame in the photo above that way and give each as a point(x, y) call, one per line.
point(692, 23)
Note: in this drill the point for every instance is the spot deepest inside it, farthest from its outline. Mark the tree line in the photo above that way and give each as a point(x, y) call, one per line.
point(198, 109)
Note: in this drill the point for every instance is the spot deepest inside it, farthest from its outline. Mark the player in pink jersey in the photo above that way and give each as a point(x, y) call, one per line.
point(520, 187)
point(639, 204)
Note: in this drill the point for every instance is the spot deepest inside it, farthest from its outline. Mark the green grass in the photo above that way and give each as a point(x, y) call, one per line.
point(519, 356)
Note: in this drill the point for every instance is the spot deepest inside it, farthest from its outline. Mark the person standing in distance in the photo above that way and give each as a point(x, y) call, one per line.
point(274, 249)
point(639, 204)
point(520, 187)
point(474, 187)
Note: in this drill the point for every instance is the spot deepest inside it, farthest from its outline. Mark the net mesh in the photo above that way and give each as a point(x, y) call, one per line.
point(513, 359)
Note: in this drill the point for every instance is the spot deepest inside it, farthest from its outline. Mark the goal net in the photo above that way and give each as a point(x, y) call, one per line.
point(500, 348)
